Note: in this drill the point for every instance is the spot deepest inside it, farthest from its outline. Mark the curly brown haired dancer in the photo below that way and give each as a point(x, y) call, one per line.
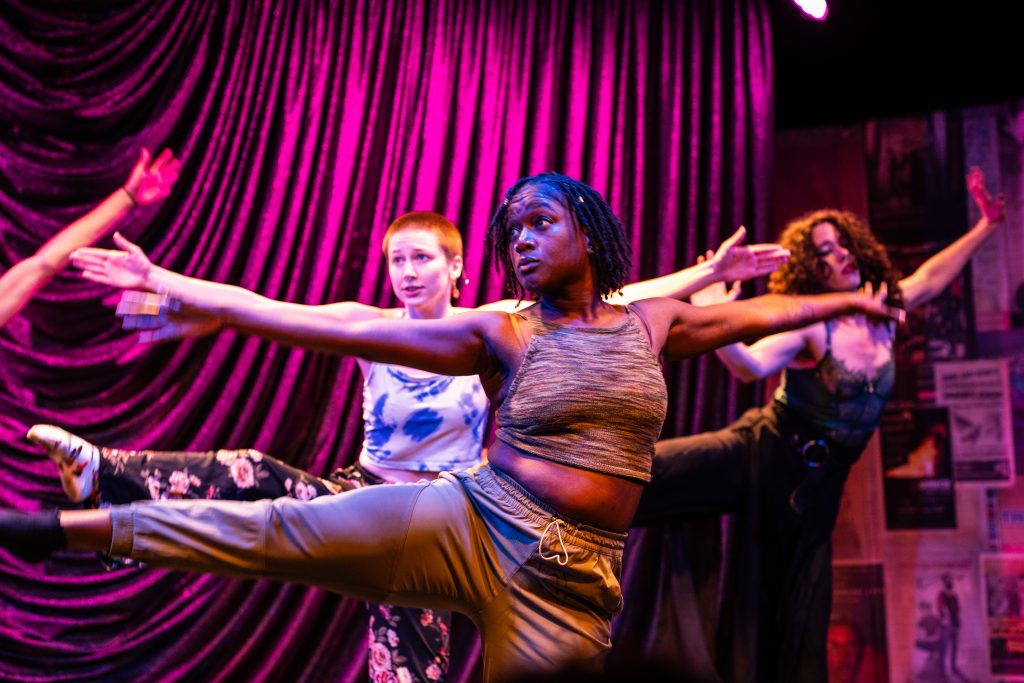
point(781, 468)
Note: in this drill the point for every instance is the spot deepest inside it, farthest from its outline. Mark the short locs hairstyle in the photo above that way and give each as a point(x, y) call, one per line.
point(610, 252)
point(805, 272)
point(448, 235)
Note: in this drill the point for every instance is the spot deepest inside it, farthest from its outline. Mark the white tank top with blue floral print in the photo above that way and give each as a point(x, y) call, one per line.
point(419, 421)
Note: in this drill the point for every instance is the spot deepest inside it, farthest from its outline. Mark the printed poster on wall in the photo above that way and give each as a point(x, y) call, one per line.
point(977, 394)
point(1002, 579)
point(857, 643)
point(936, 616)
point(917, 479)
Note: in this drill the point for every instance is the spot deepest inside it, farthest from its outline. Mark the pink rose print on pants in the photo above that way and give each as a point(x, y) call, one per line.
point(242, 473)
point(380, 658)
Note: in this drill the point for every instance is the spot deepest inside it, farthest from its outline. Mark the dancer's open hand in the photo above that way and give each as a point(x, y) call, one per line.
point(716, 292)
point(128, 268)
point(735, 261)
point(150, 183)
point(994, 210)
point(872, 303)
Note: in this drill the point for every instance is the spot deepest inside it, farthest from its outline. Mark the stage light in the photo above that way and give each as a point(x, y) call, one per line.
point(816, 9)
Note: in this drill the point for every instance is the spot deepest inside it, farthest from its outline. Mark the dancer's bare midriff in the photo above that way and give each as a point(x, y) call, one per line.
point(599, 500)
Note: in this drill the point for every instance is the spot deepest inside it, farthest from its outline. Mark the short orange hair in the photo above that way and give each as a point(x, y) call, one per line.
point(448, 235)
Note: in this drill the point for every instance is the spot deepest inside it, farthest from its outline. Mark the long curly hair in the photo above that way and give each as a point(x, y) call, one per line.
point(805, 272)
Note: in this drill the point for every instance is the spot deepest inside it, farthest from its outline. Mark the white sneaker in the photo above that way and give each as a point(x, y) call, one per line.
point(77, 459)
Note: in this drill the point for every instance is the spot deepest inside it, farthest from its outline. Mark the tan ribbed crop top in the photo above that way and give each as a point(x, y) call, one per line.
point(592, 398)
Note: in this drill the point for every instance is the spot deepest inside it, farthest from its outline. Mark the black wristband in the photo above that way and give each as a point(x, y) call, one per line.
point(131, 196)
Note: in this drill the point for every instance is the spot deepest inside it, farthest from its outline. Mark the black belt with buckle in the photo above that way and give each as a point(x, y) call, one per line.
point(815, 452)
point(817, 456)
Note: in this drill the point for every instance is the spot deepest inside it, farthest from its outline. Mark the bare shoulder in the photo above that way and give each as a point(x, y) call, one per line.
point(502, 332)
point(660, 314)
point(492, 323)
point(658, 306)
point(484, 323)
point(660, 311)
point(499, 334)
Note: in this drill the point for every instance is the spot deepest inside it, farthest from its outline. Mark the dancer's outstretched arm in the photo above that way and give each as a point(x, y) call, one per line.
point(733, 261)
point(749, 363)
point(935, 274)
point(465, 344)
point(458, 345)
point(148, 183)
point(477, 342)
point(129, 268)
point(691, 330)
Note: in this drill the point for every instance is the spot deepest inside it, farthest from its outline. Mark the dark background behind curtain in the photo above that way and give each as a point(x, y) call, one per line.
point(304, 129)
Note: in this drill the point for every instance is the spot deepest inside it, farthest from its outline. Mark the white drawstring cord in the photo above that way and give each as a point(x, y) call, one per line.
point(557, 556)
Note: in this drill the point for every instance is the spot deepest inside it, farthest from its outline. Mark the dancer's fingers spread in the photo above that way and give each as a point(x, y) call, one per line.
point(735, 238)
point(124, 243)
point(163, 159)
point(94, 276)
point(88, 261)
point(94, 252)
